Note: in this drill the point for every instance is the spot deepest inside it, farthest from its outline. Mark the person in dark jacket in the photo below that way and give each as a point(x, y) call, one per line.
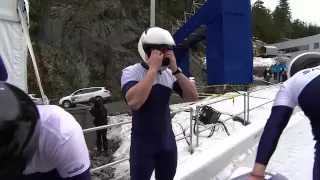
point(280, 75)
point(100, 114)
point(267, 74)
point(276, 70)
point(284, 75)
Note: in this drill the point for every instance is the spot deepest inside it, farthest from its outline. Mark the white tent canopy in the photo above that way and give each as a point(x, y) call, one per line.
point(15, 41)
point(13, 44)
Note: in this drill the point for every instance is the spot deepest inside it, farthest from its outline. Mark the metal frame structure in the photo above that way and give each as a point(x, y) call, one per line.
point(222, 27)
point(246, 110)
point(196, 4)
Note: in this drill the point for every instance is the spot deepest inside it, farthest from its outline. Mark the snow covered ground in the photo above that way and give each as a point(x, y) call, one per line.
point(293, 157)
point(257, 61)
point(183, 119)
point(263, 62)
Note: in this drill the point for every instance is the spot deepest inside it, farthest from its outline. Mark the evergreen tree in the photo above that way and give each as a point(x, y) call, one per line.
point(282, 19)
point(263, 26)
point(313, 29)
point(277, 26)
point(299, 29)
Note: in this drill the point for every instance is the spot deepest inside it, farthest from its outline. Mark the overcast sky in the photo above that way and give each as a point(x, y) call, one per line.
point(305, 10)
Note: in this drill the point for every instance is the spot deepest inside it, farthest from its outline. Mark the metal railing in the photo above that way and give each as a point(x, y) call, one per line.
point(128, 122)
point(246, 111)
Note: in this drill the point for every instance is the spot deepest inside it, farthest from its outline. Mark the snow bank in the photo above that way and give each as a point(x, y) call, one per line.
point(295, 147)
point(259, 62)
point(122, 133)
point(263, 62)
point(210, 162)
point(222, 158)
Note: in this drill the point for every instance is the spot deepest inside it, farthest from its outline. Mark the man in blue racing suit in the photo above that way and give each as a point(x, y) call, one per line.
point(301, 89)
point(38, 142)
point(147, 88)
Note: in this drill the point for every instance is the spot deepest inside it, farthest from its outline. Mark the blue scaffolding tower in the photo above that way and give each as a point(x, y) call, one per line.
point(226, 28)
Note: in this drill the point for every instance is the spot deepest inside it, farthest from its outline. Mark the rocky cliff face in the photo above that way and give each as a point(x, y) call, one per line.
point(86, 43)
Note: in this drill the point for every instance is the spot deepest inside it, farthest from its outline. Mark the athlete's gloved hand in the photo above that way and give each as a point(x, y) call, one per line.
point(155, 59)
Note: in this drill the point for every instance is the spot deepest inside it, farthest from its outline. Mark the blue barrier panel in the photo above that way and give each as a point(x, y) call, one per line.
point(228, 40)
point(229, 49)
point(182, 55)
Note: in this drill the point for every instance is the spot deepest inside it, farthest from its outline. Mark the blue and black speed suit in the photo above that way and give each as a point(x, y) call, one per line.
point(302, 89)
point(153, 145)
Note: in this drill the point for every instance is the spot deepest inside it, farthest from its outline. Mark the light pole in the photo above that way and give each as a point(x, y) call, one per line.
point(152, 12)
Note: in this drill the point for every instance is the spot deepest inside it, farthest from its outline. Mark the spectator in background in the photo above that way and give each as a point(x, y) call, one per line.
point(267, 74)
point(273, 69)
point(284, 75)
point(276, 70)
point(284, 66)
point(280, 74)
point(100, 114)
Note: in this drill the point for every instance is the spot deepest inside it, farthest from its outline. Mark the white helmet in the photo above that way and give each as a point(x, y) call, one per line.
point(303, 61)
point(155, 38)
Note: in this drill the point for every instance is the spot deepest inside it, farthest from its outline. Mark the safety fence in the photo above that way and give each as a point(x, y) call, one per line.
point(246, 109)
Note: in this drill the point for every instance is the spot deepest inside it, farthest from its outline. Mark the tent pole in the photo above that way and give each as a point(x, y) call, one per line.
point(152, 12)
point(33, 58)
